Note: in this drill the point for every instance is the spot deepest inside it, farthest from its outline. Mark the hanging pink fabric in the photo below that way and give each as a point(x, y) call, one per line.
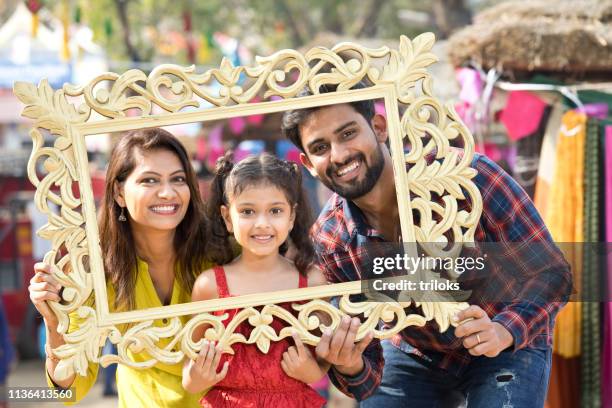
point(237, 125)
point(471, 89)
point(215, 145)
point(201, 149)
point(493, 151)
point(595, 110)
point(608, 199)
point(606, 364)
point(471, 85)
point(522, 114)
point(379, 109)
point(255, 120)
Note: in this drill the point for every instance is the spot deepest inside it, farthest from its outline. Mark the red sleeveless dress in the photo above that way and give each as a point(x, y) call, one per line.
point(255, 379)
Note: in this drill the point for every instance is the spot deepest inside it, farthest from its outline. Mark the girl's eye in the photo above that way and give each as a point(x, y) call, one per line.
point(149, 180)
point(276, 211)
point(179, 179)
point(247, 211)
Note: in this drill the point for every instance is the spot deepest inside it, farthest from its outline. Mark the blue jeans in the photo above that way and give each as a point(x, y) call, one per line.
point(110, 372)
point(517, 380)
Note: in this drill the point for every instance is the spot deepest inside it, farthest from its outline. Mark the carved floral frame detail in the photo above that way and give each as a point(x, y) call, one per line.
point(74, 112)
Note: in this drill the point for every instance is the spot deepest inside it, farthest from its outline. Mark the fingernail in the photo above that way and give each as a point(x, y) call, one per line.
point(355, 320)
point(346, 319)
point(455, 318)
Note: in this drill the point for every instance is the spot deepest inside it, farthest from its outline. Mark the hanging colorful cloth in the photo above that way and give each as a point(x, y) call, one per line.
point(559, 195)
point(66, 28)
point(548, 159)
point(606, 361)
point(34, 6)
point(189, 39)
point(523, 114)
point(528, 151)
point(590, 342)
point(564, 218)
point(206, 47)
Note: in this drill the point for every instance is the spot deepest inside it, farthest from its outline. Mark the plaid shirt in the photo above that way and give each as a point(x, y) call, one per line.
point(509, 217)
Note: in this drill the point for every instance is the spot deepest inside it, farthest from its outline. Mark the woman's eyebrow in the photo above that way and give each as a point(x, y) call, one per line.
point(157, 174)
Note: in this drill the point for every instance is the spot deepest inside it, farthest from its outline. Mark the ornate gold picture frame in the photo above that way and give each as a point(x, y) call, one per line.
point(73, 113)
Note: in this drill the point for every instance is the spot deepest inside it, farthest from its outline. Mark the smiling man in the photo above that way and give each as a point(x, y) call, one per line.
point(351, 175)
point(500, 353)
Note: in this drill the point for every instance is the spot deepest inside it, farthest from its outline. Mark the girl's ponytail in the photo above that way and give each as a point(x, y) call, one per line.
point(300, 234)
point(219, 246)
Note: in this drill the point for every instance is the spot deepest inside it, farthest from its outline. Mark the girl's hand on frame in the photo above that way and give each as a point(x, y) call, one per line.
point(299, 363)
point(201, 373)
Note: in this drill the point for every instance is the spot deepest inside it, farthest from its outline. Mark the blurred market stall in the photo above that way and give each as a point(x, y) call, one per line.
point(32, 47)
point(536, 83)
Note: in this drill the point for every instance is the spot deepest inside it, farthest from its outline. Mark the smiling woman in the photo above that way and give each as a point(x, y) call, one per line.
point(149, 173)
point(152, 234)
point(147, 193)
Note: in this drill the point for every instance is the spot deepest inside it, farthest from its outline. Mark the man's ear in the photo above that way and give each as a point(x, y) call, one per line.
point(306, 162)
point(379, 125)
point(227, 219)
point(118, 194)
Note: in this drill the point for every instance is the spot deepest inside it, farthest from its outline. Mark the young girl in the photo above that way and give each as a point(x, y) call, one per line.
point(260, 201)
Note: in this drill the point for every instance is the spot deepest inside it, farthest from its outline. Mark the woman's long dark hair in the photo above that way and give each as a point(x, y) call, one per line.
point(116, 239)
point(231, 179)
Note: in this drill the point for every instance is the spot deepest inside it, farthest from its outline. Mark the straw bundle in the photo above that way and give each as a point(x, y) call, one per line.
point(547, 36)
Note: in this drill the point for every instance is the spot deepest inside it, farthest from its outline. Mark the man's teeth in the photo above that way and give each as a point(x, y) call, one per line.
point(164, 208)
point(347, 168)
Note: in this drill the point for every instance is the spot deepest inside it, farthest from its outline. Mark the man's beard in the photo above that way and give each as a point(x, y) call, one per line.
point(357, 188)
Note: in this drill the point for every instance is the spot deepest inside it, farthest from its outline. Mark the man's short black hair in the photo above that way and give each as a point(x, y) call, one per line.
point(292, 119)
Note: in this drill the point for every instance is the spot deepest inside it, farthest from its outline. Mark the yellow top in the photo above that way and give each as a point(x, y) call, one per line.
point(158, 386)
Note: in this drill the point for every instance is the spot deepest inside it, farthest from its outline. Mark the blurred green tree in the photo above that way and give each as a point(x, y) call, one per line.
point(152, 31)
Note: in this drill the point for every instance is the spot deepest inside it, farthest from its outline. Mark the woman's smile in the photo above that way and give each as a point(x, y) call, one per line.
point(165, 209)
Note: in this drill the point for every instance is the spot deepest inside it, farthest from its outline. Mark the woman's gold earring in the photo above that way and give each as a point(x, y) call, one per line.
point(122, 215)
